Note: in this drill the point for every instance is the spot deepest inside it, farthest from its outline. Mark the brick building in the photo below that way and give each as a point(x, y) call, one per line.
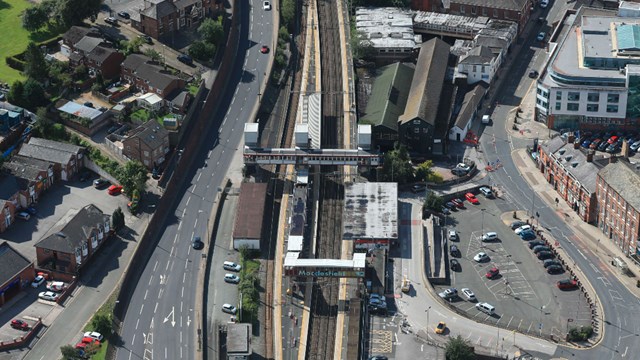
point(158, 18)
point(16, 272)
point(149, 77)
point(148, 143)
point(618, 212)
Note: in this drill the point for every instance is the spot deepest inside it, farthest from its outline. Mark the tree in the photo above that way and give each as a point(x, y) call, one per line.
point(33, 94)
point(35, 18)
point(69, 352)
point(458, 349)
point(117, 219)
point(16, 93)
point(43, 122)
point(72, 12)
point(433, 202)
point(131, 46)
point(36, 66)
point(102, 323)
point(423, 171)
point(132, 176)
point(288, 11)
point(153, 54)
point(361, 47)
point(212, 31)
point(202, 50)
point(397, 166)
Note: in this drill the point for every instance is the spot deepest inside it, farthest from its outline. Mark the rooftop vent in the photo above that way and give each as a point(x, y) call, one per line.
point(562, 151)
point(575, 164)
point(62, 235)
point(568, 158)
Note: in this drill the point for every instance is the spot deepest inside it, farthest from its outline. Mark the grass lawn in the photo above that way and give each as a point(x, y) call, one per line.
point(140, 115)
point(14, 37)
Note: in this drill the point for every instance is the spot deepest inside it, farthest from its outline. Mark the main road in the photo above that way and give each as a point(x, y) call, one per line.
point(160, 323)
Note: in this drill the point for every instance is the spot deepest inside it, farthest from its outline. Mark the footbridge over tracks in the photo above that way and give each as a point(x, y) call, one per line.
point(308, 157)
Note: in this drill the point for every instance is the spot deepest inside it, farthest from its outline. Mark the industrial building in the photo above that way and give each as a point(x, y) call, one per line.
point(250, 216)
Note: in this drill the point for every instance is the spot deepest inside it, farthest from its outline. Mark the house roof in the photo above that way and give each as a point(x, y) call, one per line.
point(624, 179)
point(470, 103)
point(100, 53)
point(44, 153)
point(389, 96)
point(151, 98)
point(151, 133)
point(133, 61)
point(159, 10)
point(179, 97)
point(515, 5)
point(424, 96)
point(478, 55)
point(75, 34)
point(12, 263)
point(553, 145)
point(24, 173)
point(250, 211)
point(181, 4)
point(575, 163)
point(36, 163)
point(56, 145)
point(73, 229)
point(9, 186)
point(87, 44)
point(80, 110)
point(155, 76)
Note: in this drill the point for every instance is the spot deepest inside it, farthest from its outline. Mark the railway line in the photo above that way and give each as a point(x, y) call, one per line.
point(324, 303)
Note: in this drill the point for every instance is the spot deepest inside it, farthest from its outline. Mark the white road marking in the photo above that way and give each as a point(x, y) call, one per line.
point(146, 292)
point(155, 266)
point(137, 323)
point(156, 308)
point(141, 308)
point(188, 199)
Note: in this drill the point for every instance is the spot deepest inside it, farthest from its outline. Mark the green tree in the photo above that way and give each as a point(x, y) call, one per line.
point(36, 66)
point(72, 12)
point(16, 93)
point(69, 352)
point(361, 47)
point(132, 46)
point(458, 349)
point(153, 54)
point(397, 166)
point(433, 202)
point(33, 94)
point(43, 122)
point(132, 176)
point(288, 12)
point(423, 171)
point(117, 219)
point(212, 31)
point(283, 34)
point(202, 50)
point(34, 18)
point(102, 323)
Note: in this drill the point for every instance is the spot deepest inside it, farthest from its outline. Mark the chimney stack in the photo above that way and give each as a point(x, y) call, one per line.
point(576, 145)
point(625, 149)
point(571, 139)
point(590, 155)
point(613, 159)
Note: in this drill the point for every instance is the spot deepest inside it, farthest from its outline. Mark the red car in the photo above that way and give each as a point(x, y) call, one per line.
point(114, 189)
point(492, 273)
point(20, 325)
point(87, 341)
point(567, 284)
point(264, 49)
point(458, 203)
point(471, 198)
point(612, 140)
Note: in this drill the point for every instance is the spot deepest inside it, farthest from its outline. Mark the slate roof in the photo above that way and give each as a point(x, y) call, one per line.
point(9, 186)
point(575, 163)
point(45, 153)
point(389, 96)
point(12, 263)
point(624, 179)
point(75, 231)
point(75, 34)
point(179, 97)
point(424, 96)
point(478, 55)
point(21, 170)
point(150, 133)
point(87, 44)
point(470, 103)
point(100, 53)
point(36, 163)
point(553, 145)
point(160, 10)
point(250, 211)
point(133, 61)
point(56, 145)
point(140, 66)
point(515, 5)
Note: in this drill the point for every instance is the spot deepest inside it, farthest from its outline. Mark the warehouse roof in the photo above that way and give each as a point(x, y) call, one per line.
point(389, 96)
point(370, 211)
point(250, 211)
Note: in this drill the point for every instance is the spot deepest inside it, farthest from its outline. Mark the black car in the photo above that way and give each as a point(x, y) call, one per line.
point(540, 248)
point(124, 14)
point(146, 39)
point(533, 74)
point(185, 59)
point(516, 224)
point(555, 269)
point(451, 206)
point(544, 255)
point(101, 183)
point(535, 243)
point(378, 357)
point(197, 243)
point(88, 104)
point(550, 262)
point(459, 172)
point(453, 250)
point(455, 265)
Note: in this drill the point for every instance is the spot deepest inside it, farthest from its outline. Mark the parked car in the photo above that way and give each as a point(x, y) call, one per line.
point(533, 73)
point(603, 146)
point(486, 192)
point(492, 273)
point(124, 14)
point(468, 294)
point(541, 36)
point(39, 280)
point(612, 140)
point(527, 235)
point(23, 215)
point(544, 3)
point(459, 172)
point(544, 255)
point(231, 278)
point(197, 243)
point(459, 203)
point(114, 190)
point(535, 243)
point(48, 295)
point(441, 327)
point(264, 49)
point(449, 293)
point(566, 284)
point(550, 262)
point(522, 228)
point(471, 198)
point(148, 39)
point(418, 188)
point(186, 59)
point(101, 183)
point(111, 20)
point(453, 250)
point(451, 206)
point(463, 166)
point(266, 5)
point(489, 236)
point(19, 324)
point(229, 265)
point(516, 224)
point(445, 210)
point(555, 269)
point(56, 286)
point(481, 256)
point(455, 265)
point(540, 248)
point(93, 335)
point(586, 143)
point(453, 235)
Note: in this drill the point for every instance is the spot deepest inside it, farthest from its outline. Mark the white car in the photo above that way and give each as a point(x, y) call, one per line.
point(56, 286)
point(37, 281)
point(231, 278)
point(490, 236)
point(522, 228)
point(266, 5)
point(94, 335)
point(229, 309)
point(468, 294)
point(448, 293)
point(480, 257)
point(463, 166)
point(48, 295)
point(230, 265)
point(453, 235)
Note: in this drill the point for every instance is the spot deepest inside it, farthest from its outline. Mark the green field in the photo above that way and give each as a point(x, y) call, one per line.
point(15, 38)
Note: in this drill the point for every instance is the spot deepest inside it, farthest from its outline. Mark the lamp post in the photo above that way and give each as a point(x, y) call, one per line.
point(482, 228)
point(427, 311)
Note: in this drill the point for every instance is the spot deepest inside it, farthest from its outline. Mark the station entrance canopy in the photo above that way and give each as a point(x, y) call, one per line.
point(325, 267)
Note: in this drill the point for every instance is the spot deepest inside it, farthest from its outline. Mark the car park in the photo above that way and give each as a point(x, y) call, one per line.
point(454, 264)
point(527, 235)
point(535, 243)
point(197, 243)
point(101, 183)
point(555, 269)
point(586, 143)
point(540, 248)
point(441, 327)
point(48, 295)
point(522, 228)
point(492, 273)
point(229, 309)
point(453, 236)
point(449, 293)
point(453, 250)
point(481, 256)
point(486, 192)
point(516, 224)
point(489, 236)
point(550, 262)
point(595, 143)
point(56, 286)
point(566, 284)
point(19, 324)
point(114, 190)
point(544, 255)
point(603, 146)
point(229, 265)
point(468, 294)
point(39, 280)
point(471, 198)
point(23, 215)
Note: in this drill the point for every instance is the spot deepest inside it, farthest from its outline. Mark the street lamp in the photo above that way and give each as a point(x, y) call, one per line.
point(482, 228)
point(427, 311)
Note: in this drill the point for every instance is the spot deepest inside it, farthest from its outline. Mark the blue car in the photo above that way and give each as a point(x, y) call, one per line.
point(31, 210)
point(527, 235)
point(586, 143)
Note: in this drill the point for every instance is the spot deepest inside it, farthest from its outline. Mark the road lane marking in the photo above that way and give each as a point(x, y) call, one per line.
point(133, 340)
point(188, 199)
point(156, 265)
point(145, 294)
point(150, 279)
point(171, 315)
point(141, 307)
point(137, 323)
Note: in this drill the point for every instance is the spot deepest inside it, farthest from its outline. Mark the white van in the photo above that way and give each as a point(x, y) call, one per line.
point(486, 119)
point(486, 308)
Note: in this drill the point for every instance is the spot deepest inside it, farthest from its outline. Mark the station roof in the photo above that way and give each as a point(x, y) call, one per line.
point(250, 211)
point(370, 211)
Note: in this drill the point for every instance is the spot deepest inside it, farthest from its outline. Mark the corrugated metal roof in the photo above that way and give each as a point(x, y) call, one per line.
point(250, 211)
point(389, 96)
point(370, 211)
point(426, 86)
point(79, 110)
